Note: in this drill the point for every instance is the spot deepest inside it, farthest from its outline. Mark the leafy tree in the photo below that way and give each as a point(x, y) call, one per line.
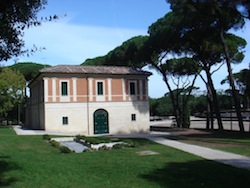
point(198, 104)
point(242, 80)
point(208, 52)
point(225, 100)
point(95, 61)
point(128, 54)
point(164, 52)
point(12, 84)
point(15, 16)
point(28, 69)
point(214, 18)
point(160, 106)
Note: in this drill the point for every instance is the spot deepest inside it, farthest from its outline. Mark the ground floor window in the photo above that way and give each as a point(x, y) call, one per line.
point(133, 117)
point(65, 120)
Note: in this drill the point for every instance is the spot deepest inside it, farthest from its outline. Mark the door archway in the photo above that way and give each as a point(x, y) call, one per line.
point(101, 123)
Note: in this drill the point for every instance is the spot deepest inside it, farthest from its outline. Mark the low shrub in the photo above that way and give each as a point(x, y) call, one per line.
point(120, 146)
point(136, 142)
point(96, 140)
point(54, 143)
point(46, 137)
point(65, 149)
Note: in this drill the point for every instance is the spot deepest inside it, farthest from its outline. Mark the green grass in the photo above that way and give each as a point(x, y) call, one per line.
point(30, 161)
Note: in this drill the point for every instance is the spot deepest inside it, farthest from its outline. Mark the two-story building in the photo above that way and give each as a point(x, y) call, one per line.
point(89, 100)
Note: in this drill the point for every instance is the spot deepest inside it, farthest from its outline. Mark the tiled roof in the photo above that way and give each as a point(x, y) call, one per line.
point(115, 70)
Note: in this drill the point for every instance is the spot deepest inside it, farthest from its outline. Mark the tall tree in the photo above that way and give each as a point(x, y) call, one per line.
point(218, 16)
point(175, 33)
point(223, 29)
point(164, 51)
point(15, 16)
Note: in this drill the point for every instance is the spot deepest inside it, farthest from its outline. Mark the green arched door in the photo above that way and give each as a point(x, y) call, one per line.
point(101, 125)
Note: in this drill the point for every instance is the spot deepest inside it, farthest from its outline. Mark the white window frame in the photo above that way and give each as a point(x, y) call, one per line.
point(65, 98)
point(100, 97)
point(130, 87)
point(132, 96)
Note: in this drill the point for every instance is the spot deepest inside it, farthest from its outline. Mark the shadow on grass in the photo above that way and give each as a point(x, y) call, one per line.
point(221, 134)
point(5, 166)
point(202, 133)
point(200, 173)
point(211, 136)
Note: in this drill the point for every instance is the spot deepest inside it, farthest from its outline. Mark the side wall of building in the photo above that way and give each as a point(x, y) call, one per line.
point(35, 107)
point(80, 117)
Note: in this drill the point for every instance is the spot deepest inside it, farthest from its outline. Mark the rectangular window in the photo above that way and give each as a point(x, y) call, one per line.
point(65, 120)
point(99, 88)
point(132, 88)
point(133, 117)
point(64, 88)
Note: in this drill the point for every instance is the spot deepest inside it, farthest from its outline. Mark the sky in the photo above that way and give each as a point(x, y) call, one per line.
point(92, 28)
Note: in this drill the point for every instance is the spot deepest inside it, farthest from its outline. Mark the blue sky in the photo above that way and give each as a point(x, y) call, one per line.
point(92, 28)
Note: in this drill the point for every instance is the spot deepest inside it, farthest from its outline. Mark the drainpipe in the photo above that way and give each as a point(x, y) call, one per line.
point(88, 103)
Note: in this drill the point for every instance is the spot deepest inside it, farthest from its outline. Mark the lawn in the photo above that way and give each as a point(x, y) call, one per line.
point(30, 161)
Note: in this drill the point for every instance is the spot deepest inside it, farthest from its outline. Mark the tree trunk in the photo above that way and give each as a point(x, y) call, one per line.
point(214, 102)
point(178, 108)
point(174, 100)
point(231, 81)
point(212, 116)
point(208, 114)
point(186, 113)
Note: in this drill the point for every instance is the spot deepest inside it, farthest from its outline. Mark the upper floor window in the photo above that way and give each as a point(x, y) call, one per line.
point(64, 88)
point(99, 88)
point(132, 88)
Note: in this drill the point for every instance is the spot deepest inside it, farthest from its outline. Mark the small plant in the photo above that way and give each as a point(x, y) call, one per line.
point(95, 140)
point(119, 146)
point(133, 142)
point(65, 149)
point(54, 143)
point(104, 147)
point(88, 150)
point(79, 137)
point(46, 137)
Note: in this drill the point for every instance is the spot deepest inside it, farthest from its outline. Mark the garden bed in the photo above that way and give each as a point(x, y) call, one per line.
point(80, 144)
